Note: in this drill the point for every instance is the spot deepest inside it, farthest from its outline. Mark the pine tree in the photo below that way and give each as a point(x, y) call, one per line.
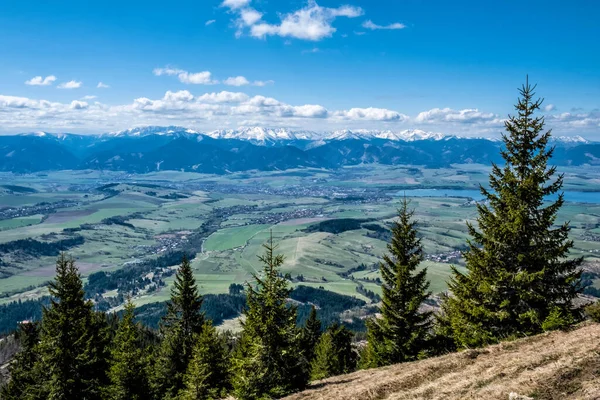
point(311, 333)
point(207, 376)
point(24, 382)
point(184, 320)
point(269, 360)
point(73, 339)
point(401, 333)
point(128, 362)
point(517, 272)
point(334, 354)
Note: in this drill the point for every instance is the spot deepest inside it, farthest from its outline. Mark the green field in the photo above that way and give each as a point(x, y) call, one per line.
point(161, 212)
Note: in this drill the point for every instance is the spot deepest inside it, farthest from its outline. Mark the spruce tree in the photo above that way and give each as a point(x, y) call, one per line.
point(184, 320)
point(207, 376)
point(128, 379)
point(333, 354)
point(311, 333)
point(269, 361)
point(401, 333)
point(517, 275)
point(73, 340)
point(24, 382)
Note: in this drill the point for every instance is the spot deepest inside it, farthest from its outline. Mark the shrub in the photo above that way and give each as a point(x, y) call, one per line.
point(593, 311)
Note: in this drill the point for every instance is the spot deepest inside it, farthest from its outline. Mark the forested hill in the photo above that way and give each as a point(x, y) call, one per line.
point(178, 149)
point(557, 365)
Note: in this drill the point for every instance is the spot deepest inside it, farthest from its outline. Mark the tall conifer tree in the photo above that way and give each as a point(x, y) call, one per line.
point(184, 320)
point(207, 376)
point(73, 340)
point(333, 354)
point(401, 332)
point(24, 382)
point(517, 271)
point(311, 333)
point(269, 361)
point(128, 379)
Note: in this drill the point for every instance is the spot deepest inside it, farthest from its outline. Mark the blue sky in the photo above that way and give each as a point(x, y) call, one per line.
point(442, 66)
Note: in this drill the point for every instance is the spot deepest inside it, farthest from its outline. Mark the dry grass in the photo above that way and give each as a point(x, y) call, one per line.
point(557, 365)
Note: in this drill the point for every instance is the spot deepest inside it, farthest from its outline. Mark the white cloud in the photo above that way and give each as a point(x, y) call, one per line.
point(223, 97)
point(372, 26)
point(371, 114)
point(182, 95)
point(312, 22)
point(102, 86)
point(210, 22)
point(235, 4)
point(196, 78)
point(79, 105)
point(70, 85)
point(89, 97)
point(250, 16)
point(573, 121)
point(550, 107)
point(39, 81)
point(469, 115)
point(310, 111)
point(262, 83)
point(236, 81)
point(215, 110)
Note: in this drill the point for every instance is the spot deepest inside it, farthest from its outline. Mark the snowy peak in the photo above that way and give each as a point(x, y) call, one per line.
point(570, 139)
point(153, 130)
point(262, 135)
point(273, 136)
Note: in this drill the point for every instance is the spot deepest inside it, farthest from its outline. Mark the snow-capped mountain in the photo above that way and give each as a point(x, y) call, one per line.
point(144, 149)
point(153, 130)
point(270, 136)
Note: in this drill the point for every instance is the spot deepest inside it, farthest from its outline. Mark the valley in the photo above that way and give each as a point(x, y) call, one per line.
point(331, 225)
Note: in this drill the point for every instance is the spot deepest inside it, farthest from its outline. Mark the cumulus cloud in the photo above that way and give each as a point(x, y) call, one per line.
point(102, 86)
point(39, 81)
point(219, 109)
point(88, 97)
point(79, 105)
point(470, 115)
point(250, 16)
point(196, 78)
point(550, 107)
point(236, 81)
point(568, 121)
point(70, 85)
point(371, 114)
point(372, 26)
point(205, 78)
point(182, 95)
point(235, 4)
point(263, 83)
point(223, 97)
point(312, 22)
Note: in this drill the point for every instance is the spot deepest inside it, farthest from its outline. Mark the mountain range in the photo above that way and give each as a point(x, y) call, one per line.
point(155, 148)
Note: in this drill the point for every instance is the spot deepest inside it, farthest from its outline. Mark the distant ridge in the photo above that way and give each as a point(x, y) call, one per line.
point(152, 148)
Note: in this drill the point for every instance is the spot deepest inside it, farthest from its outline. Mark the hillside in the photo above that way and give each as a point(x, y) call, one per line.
point(557, 365)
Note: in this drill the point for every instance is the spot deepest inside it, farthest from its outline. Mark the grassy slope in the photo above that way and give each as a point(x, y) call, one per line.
point(557, 365)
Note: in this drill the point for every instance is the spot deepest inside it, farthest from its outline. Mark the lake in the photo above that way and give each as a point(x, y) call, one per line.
point(570, 196)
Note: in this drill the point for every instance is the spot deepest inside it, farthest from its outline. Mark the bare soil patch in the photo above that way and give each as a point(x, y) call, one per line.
point(66, 216)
